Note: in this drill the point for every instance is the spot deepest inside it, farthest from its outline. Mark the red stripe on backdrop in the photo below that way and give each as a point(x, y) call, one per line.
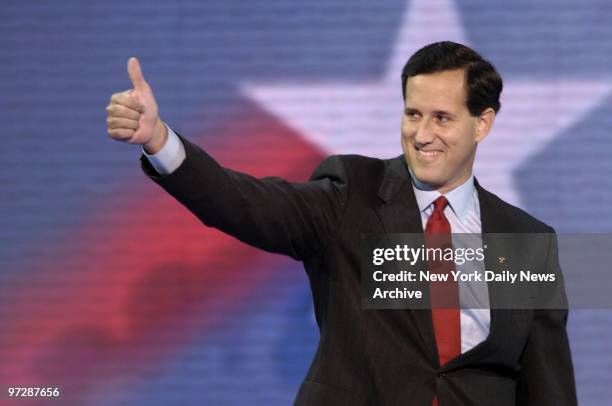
point(128, 280)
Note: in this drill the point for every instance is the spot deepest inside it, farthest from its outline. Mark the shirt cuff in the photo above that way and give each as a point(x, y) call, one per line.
point(169, 157)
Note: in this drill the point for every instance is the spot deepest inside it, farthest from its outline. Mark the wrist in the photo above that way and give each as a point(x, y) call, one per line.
point(159, 138)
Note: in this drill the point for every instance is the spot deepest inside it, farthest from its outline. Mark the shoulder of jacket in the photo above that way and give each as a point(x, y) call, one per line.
point(361, 162)
point(522, 220)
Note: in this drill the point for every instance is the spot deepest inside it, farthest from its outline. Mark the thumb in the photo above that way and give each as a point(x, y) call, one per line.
point(138, 81)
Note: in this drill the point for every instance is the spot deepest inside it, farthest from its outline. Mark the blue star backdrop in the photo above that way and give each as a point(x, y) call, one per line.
point(111, 290)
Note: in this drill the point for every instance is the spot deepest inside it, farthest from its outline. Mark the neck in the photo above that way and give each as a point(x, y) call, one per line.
point(440, 188)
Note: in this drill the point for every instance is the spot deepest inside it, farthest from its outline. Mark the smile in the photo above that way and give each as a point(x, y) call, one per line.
point(428, 155)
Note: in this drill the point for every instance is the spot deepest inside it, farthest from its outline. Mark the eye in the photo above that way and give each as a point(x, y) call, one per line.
point(412, 114)
point(442, 118)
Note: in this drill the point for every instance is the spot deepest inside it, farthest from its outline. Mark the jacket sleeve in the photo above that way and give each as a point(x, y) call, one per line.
point(547, 374)
point(295, 219)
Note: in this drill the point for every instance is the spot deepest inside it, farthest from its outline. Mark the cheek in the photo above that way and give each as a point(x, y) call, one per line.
point(461, 145)
point(404, 127)
point(407, 130)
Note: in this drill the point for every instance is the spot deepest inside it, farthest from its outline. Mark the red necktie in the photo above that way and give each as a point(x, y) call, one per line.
point(444, 295)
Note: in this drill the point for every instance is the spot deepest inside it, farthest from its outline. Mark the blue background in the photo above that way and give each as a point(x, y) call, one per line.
point(61, 61)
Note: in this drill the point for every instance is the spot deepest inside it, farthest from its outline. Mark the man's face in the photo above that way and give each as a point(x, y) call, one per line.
point(439, 135)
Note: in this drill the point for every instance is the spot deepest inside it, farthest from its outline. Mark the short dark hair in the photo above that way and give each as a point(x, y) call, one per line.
point(484, 85)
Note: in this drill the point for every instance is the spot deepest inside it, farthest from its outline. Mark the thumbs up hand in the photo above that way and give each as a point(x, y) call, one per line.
point(132, 115)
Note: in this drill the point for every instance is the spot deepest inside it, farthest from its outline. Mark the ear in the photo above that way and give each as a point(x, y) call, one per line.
point(484, 123)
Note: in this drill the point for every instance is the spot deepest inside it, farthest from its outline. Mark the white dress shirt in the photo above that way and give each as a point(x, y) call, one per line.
point(463, 214)
point(169, 157)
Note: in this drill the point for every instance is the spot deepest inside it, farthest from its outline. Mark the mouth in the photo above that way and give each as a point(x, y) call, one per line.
point(428, 155)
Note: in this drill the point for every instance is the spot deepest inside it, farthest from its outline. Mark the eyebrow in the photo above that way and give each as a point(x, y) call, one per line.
point(409, 110)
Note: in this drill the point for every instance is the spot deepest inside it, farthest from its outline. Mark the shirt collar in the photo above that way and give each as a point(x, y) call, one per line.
point(458, 198)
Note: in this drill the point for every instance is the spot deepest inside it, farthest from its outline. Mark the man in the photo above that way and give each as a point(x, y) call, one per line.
point(381, 356)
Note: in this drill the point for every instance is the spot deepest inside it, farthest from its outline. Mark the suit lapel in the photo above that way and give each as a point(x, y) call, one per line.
point(399, 213)
point(492, 221)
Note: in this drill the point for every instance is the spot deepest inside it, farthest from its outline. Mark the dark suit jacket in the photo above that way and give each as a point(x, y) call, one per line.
point(370, 356)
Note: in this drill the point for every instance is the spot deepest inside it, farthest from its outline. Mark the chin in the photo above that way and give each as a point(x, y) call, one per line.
point(423, 172)
point(427, 177)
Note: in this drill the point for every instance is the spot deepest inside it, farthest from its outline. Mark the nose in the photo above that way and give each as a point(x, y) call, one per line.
point(425, 132)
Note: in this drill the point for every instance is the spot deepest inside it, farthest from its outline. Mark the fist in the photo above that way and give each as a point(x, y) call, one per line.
point(132, 115)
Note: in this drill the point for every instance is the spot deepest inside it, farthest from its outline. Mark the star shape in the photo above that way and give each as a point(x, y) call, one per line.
point(364, 118)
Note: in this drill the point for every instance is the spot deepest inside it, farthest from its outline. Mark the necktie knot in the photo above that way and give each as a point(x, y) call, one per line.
point(440, 204)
